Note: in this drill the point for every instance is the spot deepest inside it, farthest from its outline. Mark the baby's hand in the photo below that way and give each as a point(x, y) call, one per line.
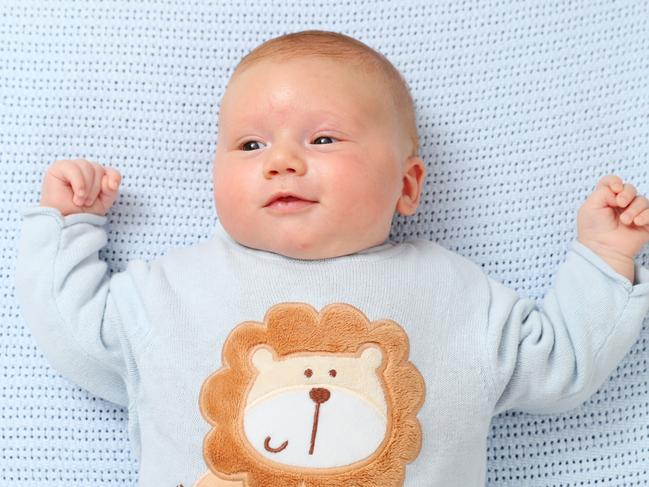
point(614, 220)
point(80, 186)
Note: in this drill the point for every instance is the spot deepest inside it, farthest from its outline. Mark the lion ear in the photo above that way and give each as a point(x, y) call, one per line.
point(261, 358)
point(372, 356)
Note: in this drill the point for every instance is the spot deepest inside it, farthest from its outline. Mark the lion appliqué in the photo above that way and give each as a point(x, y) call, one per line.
point(312, 399)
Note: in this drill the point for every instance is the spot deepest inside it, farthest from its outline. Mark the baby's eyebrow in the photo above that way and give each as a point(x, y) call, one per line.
point(347, 119)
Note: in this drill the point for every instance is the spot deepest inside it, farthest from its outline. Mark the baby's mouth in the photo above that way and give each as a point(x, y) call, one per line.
point(287, 203)
point(287, 199)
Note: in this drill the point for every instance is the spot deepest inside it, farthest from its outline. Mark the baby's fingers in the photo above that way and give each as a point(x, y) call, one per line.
point(97, 175)
point(611, 181)
point(611, 191)
point(85, 195)
point(642, 219)
point(635, 212)
point(70, 173)
point(626, 195)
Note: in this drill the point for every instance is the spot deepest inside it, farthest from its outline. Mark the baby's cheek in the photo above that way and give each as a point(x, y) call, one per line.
point(230, 196)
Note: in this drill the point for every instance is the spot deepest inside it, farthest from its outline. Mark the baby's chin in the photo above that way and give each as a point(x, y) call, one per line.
point(315, 252)
point(302, 242)
point(308, 251)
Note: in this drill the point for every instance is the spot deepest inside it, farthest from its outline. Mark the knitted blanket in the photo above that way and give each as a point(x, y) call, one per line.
point(521, 106)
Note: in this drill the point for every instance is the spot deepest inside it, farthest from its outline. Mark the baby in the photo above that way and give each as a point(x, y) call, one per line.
point(298, 346)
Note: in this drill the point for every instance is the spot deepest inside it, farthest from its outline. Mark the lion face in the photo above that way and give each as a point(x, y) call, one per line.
point(313, 399)
point(316, 411)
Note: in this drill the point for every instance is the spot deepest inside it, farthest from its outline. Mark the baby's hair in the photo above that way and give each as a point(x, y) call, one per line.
point(341, 47)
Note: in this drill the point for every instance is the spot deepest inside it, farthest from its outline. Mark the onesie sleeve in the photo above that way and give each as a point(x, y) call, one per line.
point(553, 358)
point(68, 301)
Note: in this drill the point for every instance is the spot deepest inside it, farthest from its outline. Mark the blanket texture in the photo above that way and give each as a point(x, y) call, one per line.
point(521, 107)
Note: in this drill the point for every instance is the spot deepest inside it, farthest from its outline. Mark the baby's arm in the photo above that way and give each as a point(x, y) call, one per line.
point(551, 359)
point(64, 290)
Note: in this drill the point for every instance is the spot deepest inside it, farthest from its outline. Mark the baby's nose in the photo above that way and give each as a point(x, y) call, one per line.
point(283, 161)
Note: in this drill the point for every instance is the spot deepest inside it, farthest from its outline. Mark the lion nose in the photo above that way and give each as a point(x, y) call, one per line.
point(319, 395)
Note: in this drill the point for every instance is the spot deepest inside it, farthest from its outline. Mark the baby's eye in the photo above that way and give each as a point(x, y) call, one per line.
point(333, 372)
point(308, 372)
point(245, 144)
point(323, 137)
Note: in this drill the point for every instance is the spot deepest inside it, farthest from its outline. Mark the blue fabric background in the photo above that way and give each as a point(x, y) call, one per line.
point(522, 107)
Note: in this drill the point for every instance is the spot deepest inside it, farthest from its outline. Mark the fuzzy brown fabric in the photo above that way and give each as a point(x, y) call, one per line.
point(294, 327)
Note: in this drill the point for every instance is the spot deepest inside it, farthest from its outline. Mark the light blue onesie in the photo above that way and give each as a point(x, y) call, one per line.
point(149, 337)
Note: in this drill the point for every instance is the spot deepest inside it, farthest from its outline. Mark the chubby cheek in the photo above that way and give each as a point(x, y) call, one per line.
point(229, 195)
point(364, 196)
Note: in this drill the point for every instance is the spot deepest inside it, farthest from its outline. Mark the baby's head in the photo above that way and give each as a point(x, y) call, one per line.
point(323, 117)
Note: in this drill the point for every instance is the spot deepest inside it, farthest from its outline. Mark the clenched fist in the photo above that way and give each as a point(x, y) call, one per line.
point(80, 186)
point(614, 223)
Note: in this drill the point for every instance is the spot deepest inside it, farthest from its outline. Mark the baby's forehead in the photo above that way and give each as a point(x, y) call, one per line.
point(315, 63)
point(365, 107)
point(369, 81)
point(347, 103)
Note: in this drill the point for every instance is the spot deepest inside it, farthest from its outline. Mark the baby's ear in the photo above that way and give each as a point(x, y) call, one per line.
point(413, 182)
point(262, 358)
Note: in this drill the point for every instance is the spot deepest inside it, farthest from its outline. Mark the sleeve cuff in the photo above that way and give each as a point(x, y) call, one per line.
point(641, 285)
point(64, 221)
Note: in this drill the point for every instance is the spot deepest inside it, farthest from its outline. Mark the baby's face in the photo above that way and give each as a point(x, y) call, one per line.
point(325, 133)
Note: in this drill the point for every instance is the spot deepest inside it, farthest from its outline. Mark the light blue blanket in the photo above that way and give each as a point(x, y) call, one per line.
point(522, 107)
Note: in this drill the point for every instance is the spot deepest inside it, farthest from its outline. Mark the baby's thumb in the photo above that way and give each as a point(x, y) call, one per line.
point(109, 189)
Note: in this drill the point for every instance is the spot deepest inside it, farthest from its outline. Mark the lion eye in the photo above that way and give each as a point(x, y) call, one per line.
point(308, 372)
point(332, 372)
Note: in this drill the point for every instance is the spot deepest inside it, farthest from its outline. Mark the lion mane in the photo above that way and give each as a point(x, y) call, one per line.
point(298, 327)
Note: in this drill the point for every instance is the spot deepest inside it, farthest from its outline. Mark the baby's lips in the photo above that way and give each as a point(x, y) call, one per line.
point(283, 195)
